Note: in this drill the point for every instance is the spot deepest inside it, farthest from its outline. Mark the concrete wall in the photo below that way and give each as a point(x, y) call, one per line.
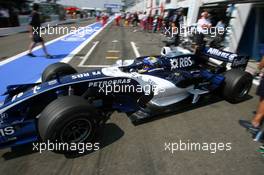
point(237, 23)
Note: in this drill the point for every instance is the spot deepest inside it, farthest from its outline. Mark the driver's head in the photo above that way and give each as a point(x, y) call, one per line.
point(150, 61)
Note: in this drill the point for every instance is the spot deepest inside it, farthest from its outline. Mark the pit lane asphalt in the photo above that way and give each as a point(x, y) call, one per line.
point(129, 149)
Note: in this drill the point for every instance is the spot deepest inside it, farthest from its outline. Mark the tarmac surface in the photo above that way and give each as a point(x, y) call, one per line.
point(129, 149)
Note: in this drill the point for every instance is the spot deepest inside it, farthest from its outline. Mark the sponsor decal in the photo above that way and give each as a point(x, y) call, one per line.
point(109, 82)
point(87, 74)
point(52, 82)
point(3, 116)
point(181, 62)
point(7, 131)
point(17, 96)
point(239, 62)
point(223, 54)
point(35, 89)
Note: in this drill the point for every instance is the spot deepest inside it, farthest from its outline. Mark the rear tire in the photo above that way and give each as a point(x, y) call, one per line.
point(68, 119)
point(237, 85)
point(56, 70)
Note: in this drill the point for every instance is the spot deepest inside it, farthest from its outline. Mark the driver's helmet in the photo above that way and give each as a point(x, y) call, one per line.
point(150, 62)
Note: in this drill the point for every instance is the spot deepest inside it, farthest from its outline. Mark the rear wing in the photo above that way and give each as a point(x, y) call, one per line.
point(237, 61)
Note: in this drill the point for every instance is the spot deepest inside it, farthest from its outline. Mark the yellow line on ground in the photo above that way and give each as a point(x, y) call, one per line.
point(111, 57)
point(113, 51)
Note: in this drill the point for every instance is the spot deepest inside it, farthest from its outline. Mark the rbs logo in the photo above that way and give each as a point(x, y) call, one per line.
point(181, 62)
point(7, 131)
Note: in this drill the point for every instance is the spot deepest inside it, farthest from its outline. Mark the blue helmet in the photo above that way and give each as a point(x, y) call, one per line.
point(150, 61)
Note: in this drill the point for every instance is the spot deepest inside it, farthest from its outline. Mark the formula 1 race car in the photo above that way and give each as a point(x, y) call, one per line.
point(71, 107)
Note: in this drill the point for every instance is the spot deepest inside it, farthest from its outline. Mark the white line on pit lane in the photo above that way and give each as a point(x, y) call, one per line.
point(86, 57)
point(135, 49)
point(79, 48)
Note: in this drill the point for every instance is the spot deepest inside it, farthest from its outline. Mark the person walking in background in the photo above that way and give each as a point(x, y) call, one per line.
point(34, 32)
point(135, 19)
point(128, 19)
point(140, 17)
point(163, 26)
point(150, 20)
point(155, 24)
point(97, 16)
point(117, 19)
point(104, 19)
point(159, 23)
point(144, 21)
point(178, 24)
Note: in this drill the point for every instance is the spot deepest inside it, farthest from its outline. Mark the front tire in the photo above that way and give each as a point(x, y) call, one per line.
point(237, 85)
point(56, 70)
point(68, 119)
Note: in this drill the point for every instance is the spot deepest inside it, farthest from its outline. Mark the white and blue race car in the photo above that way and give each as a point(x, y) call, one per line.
point(71, 107)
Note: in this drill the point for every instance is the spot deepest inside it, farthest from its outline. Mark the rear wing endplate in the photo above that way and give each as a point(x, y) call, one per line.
point(237, 61)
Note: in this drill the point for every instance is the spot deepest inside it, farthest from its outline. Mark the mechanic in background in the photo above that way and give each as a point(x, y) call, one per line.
point(203, 25)
point(117, 19)
point(98, 16)
point(34, 32)
point(135, 20)
point(178, 22)
point(104, 19)
point(144, 18)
